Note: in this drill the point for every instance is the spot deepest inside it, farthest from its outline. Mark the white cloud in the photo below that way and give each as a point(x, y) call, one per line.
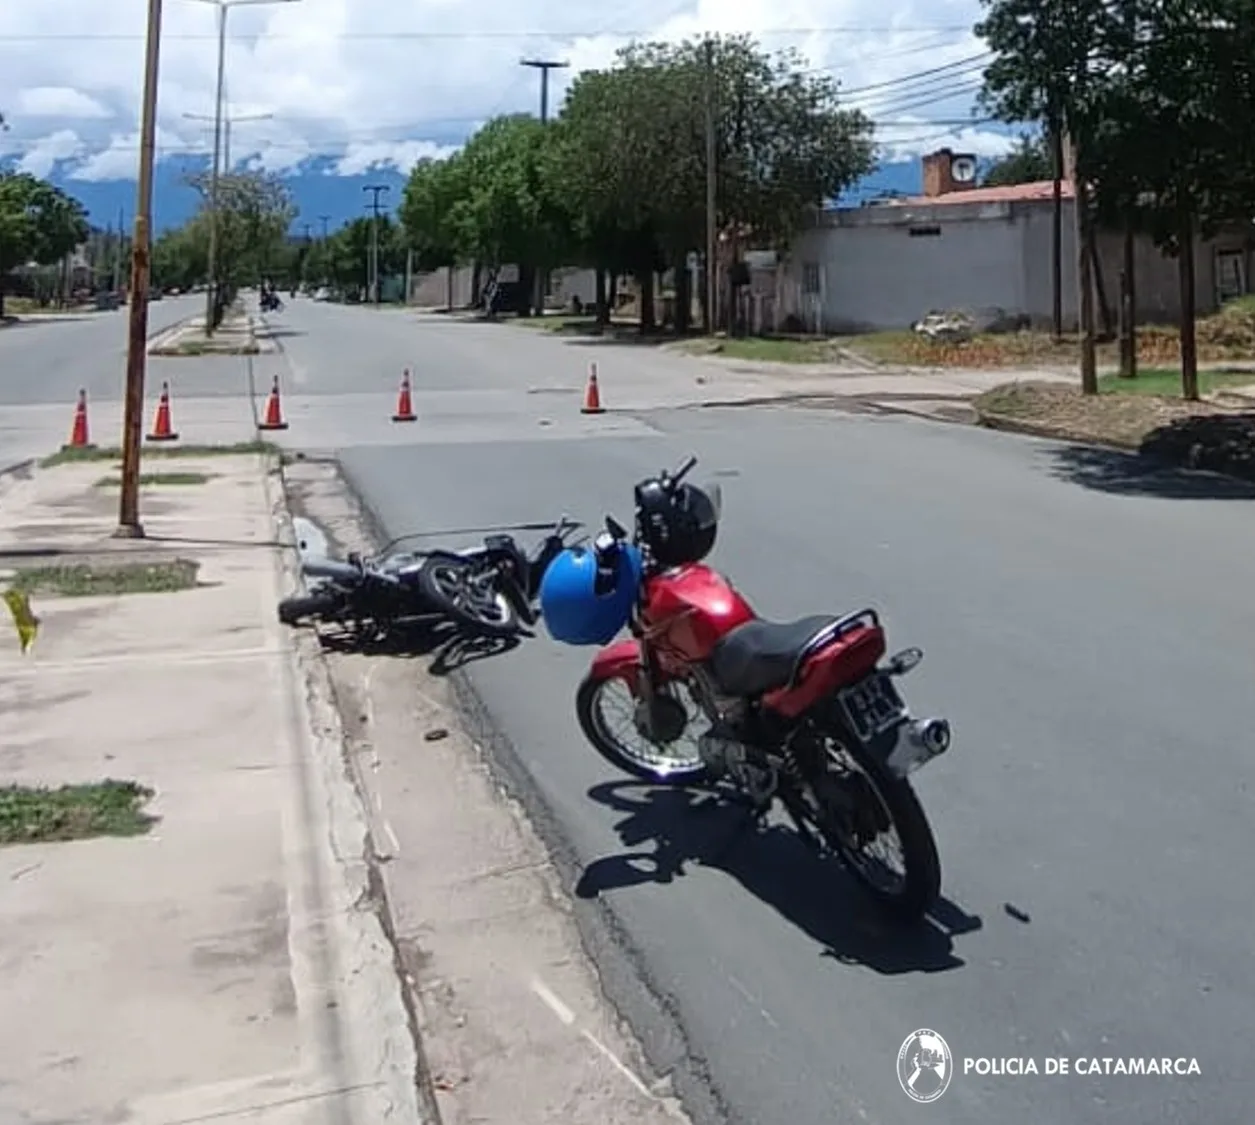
point(384, 81)
point(40, 158)
point(58, 101)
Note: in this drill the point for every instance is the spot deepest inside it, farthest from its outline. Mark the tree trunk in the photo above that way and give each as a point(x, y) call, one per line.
point(645, 282)
point(1085, 287)
point(683, 298)
point(612, 294)
point(1100, 289)
point(1128, 307)
point(599, 298)
point(448, 286)
point(1056, 244)
point(1189, 350)
point(477, 284)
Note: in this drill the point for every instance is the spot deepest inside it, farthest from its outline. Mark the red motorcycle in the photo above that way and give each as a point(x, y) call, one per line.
point(805, 712)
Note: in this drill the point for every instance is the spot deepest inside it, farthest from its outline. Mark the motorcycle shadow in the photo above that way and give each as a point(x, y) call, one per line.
point(450, 647)
point(812, 893)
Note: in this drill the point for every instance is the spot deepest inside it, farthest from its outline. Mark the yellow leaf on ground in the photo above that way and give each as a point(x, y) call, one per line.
point(24, 618)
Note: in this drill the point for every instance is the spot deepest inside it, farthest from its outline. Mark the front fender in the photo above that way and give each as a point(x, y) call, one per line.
point(618, 661)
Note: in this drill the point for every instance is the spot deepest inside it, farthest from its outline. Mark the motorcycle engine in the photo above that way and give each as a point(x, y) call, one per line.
point(726, 754)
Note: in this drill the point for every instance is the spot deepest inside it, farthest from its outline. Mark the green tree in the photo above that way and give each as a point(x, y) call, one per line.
point(433, 192)
point(783, 146)
point(1046, 69)
point(1029, 162)
point(1173, 143)
point(255, 212)
point(38, 223)
point(180, 259)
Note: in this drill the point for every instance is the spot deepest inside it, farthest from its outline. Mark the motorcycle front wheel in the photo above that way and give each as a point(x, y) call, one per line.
point(300, 607)
point(856, 802)
point(610, 718)
point(463, 593)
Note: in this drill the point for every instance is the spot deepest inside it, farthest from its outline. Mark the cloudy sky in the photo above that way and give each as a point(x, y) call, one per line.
point(386, 81)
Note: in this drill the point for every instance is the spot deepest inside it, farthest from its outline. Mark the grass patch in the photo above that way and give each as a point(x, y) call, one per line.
point(85, 580)
point(71, 456)
point(1126, 420)
point(28, 306)
point(1166, 382)
point(30, 815)
point(159, 479)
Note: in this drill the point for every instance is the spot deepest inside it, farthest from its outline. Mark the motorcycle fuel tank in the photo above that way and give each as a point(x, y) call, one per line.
point(690, 608)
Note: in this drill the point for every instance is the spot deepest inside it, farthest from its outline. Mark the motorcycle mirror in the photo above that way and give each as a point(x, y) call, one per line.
point(615, 528)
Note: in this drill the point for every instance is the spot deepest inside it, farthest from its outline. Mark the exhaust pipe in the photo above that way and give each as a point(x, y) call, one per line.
point(919, 742)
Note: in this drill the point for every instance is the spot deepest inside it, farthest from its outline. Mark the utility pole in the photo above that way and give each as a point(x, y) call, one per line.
point(711, 186)
point(118, 250)
point(214, 217)
point(129, 526)
point(544, 66)
point(227, 121)
point(1084, 228)
point(324, 219)
point(374, 236)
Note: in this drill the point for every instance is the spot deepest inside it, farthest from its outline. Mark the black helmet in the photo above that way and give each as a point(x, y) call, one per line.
point(677, 523)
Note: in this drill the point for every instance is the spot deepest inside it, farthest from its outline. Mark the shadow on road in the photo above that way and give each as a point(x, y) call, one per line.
point(278, 334)
point(1133, 474)
point(812, 893)
point(449, 648)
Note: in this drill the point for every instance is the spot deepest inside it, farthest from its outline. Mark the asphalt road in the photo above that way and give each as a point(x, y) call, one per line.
point(45, 362)
point(1088, 631)
point(48, 359)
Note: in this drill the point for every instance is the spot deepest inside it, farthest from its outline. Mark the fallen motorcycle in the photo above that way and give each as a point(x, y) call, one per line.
point(805, 713)
point(489, 590)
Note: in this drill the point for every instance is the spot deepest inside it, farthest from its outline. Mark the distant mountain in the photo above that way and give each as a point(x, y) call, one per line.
point(319, 192)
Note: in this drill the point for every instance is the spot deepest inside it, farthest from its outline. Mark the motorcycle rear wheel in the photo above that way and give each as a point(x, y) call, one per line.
point(446, 584)
point(921, 881)
point(656, 764)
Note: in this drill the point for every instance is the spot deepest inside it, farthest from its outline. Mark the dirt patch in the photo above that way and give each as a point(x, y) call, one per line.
point(1227, 336)
point(1198, 435)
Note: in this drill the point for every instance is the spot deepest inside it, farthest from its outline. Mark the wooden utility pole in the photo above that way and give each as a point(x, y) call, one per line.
point(1084, 273)
point(129, 526)
point(374, 237)
point(712, 183)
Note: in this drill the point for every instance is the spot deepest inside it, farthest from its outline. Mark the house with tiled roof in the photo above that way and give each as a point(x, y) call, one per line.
point(983, 250)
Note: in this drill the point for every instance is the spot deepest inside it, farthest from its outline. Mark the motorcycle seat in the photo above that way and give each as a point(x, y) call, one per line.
point(760, 656)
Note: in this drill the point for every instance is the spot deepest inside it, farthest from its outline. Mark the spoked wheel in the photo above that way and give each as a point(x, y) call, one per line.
point(469, 595)
point(875, 823)
point(614, 723)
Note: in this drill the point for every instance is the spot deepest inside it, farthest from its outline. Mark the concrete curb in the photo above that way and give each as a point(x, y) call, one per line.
point(377, 1016)
point(1005, 423)
point(165, 345)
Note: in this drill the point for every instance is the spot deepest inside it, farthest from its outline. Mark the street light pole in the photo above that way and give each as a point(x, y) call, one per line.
point(214, 217)
point(541, 284)
point(129, 526)
point(228, 120)
point(374, 236)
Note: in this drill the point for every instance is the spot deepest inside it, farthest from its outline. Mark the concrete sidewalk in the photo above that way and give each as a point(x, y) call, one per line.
point(232, 963)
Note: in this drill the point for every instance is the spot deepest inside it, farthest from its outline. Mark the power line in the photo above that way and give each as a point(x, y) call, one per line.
point(483, 33)
point(937, 71)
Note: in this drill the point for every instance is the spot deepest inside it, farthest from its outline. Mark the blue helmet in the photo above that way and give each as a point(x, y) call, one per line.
point(586, 595)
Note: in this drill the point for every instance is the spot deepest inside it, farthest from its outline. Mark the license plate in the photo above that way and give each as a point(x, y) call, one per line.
point(872, 706)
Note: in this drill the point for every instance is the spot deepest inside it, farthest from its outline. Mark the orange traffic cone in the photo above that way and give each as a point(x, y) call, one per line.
point(405, 405)
point(79, 438)
point(162, 429)
point(274, 412)
point(592, 396)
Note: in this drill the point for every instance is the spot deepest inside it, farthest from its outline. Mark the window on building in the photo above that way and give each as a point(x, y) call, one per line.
point(810, 278)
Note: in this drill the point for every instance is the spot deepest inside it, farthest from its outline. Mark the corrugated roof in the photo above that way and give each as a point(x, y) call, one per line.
point(1038, 191)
